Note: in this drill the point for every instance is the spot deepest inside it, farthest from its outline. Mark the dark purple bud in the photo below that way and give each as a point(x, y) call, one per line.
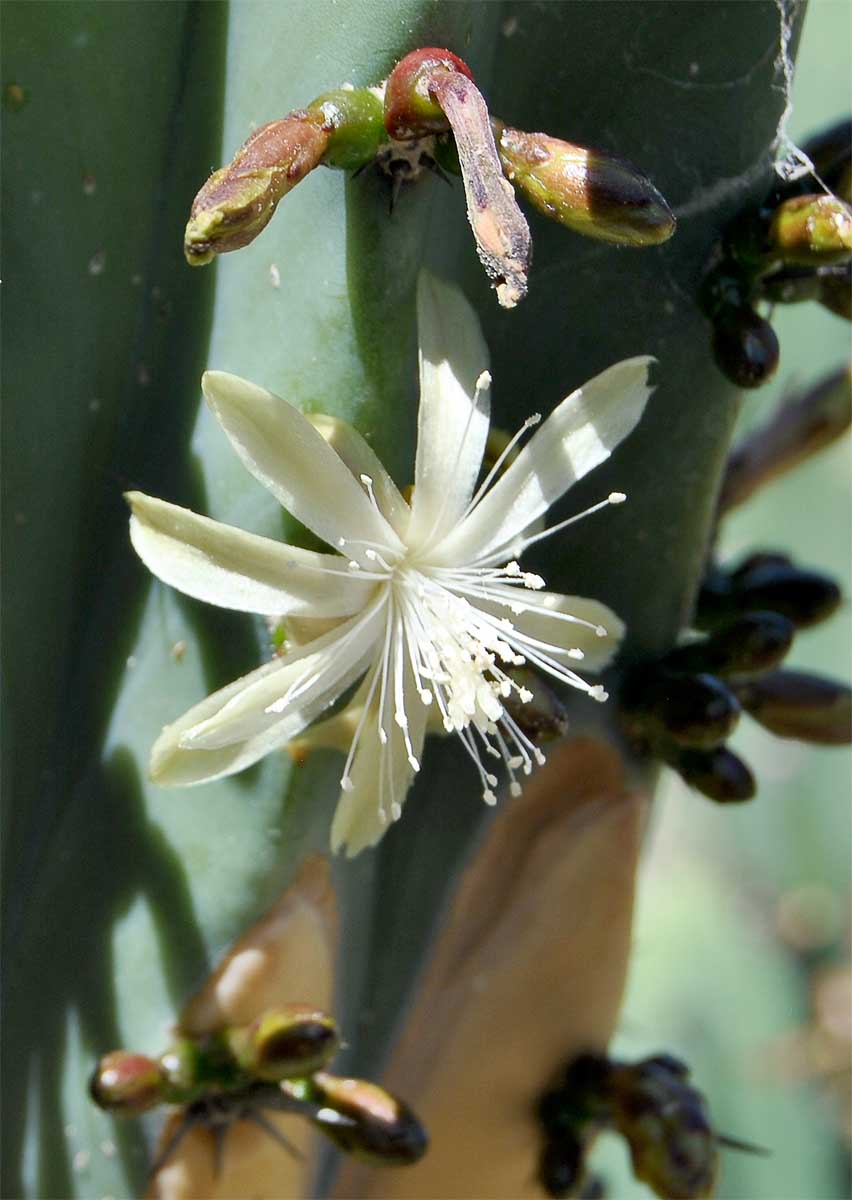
point(718, 774)
point(752, 644)
point(795, 704)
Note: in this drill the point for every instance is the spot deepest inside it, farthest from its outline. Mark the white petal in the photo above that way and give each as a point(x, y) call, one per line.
point(316, 674)
point(357, 455)
point(287, 455)
point(381, 776)
point(578, 436)
point(453, 419)
point(598, 651)
point(173, 766)
point(234, 569)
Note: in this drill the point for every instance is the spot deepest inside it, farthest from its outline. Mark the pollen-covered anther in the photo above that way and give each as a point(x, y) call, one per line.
point(525, 695)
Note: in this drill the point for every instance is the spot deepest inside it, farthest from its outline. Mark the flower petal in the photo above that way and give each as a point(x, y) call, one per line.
point(290, 458)
point(453, 419)
point(598, 650)
point(234, 569)
point(358, 456)
point(579, 434)
point(380, 774)
point(231, 728)
point(173, 766)
point(311, 678)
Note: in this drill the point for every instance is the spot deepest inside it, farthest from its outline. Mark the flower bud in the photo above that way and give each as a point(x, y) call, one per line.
point(352, 118)
point(542, 718)
point(380, 1129)
point(794, 704)
point(835, 290)
point(411, 109)
point(296, 1040)
point(561, 1166)
point(790, 285)
point(718, 773)
point(667, 1126)
point(692, 710)
point(126, 1083)
point(593, 193)
point(753, 643)
point(237, 201)
point(187, 1067)
point(811, 230)
point(770, 582)
point(798, 429)
point(766, 582)
point(745, 346)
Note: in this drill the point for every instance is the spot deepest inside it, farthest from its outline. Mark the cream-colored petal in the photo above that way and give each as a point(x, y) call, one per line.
point(233, 569)
point(381, 774)
point(290, 458)
point(310, 678)
point(231, 729)
point(598, 651)
point(359, 457)
point(453, 418)
point(578, 436)
point(173, 766)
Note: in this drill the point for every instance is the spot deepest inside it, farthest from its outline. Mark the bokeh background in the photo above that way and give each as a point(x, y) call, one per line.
point(762, 892)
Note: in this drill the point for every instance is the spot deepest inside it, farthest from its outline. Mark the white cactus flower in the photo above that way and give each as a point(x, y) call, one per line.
point(426, 602)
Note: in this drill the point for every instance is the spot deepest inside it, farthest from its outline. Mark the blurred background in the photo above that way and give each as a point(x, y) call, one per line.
point(759, 895)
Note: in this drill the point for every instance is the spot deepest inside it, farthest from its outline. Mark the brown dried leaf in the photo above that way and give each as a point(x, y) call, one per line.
point(528, 971)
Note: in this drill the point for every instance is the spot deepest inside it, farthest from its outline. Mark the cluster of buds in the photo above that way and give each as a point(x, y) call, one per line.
point(796, 246)
point(683, 707)
point(651, 1104)
point(274, 1064)
point(429, 114)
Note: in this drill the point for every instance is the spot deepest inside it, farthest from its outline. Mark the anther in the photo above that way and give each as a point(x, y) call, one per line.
point(489, 797)
point(576, 652)
point(617, 497)
point(346, 784)
point(598, 693)
point(600, 630)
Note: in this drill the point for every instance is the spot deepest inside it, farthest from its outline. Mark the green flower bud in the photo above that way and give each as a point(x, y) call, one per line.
point(745, 346)
point(126, 1083)
point(411, 108)
point(593, 193)
point(811, 230)
point(718, 774)
point(237, 201)
point(352, 118)
point(296, 1040)
point(379, 1129)
point(794, 704)
point(752, 644)
point(692, 710)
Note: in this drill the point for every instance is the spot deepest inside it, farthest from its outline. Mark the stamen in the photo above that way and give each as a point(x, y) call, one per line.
point(518, 546)
point(530, 423)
